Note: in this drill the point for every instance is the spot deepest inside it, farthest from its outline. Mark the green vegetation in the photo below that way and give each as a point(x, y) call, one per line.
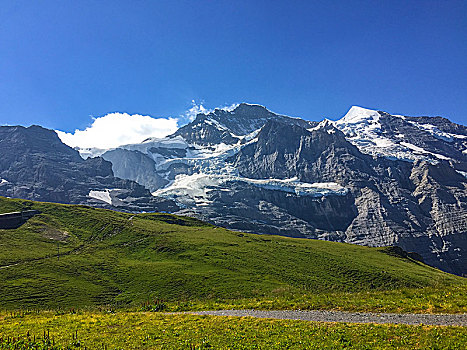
point(412, 300)
point(81, 257)
point(123, 330)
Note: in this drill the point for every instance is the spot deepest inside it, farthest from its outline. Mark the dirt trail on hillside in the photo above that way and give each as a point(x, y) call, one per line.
point(350, 317)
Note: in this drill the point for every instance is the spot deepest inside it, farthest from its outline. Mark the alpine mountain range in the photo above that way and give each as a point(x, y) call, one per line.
point(370, 178)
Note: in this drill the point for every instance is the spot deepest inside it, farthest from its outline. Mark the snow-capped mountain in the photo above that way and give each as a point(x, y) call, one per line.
point(369, 178)
point(35, 164)
point(405, 138)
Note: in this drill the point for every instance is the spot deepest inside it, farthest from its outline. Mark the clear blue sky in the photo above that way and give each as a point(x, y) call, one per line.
point(62, 61)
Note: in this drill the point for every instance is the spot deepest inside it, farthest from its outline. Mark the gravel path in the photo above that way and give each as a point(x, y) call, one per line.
point(351, 317)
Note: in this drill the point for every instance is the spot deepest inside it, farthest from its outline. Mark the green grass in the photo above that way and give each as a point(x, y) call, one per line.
point(124, 260)
point(407, 300)
point(124, 330)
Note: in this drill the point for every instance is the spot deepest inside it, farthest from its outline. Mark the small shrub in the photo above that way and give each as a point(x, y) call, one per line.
point(156, 305)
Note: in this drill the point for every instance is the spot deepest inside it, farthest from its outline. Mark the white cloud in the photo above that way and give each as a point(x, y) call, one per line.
point(197, 108)
point(116, 129)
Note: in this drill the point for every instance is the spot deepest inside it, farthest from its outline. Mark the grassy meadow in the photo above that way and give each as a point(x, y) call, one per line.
point(80, 257)
point(100, 273)
point(128, 330)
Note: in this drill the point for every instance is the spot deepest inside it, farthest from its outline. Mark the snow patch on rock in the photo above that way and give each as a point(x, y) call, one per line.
point(434, 131)
point(194, 189)
point(439, 134)
point(103, 196)
point(216, 124)
point(363, 129)
point(419, 150)
point(325, 123)
point(90, 152)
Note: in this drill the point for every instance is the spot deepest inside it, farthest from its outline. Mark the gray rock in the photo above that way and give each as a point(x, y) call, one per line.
point(411, 194)
point(38, 166)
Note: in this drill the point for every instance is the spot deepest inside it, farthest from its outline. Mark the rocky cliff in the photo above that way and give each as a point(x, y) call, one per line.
point(370, 178)
point(36, 165)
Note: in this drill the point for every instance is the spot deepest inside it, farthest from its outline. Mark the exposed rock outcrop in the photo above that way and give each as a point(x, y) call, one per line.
point(370, 178)
point(36, 165)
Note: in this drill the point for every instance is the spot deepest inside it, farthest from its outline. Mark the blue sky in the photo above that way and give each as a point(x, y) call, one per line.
point(62, 62)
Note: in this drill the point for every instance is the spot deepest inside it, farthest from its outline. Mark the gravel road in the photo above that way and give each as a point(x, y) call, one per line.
point(351, 317)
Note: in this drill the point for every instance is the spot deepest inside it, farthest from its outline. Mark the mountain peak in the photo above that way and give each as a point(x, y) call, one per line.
point(358, 114)
point(252, 110)
point(370, 178)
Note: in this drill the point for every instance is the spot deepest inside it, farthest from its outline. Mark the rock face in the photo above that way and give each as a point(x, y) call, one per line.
point(370, 178)
point(36, 165)
point(228, 127)
point(135, 166)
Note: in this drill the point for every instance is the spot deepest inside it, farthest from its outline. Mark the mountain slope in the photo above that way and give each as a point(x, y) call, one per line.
point(370, 178)
point(35, 164)
point(107, 257)
point(407, 138)
point(230, 126)
point(358, 180)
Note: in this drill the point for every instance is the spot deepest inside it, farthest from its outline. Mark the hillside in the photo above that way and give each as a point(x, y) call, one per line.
point(370, 178)
point(107, 257)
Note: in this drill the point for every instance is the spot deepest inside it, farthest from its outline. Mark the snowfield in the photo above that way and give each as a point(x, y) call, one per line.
point(362, 128)
point(195, 189)
point(419, 150)
point(433, 130)
point(101, 195)
point(209, 171)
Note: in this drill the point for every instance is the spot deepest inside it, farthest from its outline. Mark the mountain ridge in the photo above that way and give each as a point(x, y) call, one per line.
point(378, 168)
point(370, 178)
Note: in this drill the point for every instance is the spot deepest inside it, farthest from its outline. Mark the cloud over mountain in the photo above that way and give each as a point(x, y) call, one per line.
point(115, 129)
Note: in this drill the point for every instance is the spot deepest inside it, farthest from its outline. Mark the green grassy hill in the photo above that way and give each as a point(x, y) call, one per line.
point(76, 256)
